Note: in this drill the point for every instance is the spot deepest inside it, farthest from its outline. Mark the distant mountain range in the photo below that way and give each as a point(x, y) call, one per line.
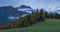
point(8, 11)
point(57, 11)
point(23, 7)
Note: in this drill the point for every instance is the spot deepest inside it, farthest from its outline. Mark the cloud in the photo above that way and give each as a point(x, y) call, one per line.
point(46, 4)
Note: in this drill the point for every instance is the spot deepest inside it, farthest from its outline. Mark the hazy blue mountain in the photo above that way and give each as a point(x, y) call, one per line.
point(58, 11)
point(8, 13)
point(23, 7)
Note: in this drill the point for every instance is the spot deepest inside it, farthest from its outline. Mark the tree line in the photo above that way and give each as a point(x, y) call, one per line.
point(30, 19)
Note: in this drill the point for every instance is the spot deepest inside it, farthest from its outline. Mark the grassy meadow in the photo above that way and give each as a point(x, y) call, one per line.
point(49, 25)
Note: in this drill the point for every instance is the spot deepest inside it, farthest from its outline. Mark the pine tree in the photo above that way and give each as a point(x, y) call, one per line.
point(42, 15)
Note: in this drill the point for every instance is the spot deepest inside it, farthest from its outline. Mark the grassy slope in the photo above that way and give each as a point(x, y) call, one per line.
point(50, 25)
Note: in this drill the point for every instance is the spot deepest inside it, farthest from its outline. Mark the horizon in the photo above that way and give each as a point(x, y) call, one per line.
point(45, 4)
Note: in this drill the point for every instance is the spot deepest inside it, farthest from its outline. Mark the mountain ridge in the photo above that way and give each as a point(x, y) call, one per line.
point(9, 11)
point(24, 6)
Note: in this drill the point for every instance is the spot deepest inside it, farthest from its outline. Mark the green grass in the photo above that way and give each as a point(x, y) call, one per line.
point(49, 25)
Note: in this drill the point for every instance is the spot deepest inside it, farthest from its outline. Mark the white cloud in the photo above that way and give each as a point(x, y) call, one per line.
point(47, 4)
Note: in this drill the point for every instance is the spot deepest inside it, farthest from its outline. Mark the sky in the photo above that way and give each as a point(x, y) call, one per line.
point(46, 4)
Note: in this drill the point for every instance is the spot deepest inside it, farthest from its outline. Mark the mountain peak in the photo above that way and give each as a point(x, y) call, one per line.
point(5, 6)
point(24, 6)
point(8, 11)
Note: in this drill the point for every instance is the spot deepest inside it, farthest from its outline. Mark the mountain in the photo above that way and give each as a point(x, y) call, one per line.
point(57, 11)
point(23, 7)
point(8, 11)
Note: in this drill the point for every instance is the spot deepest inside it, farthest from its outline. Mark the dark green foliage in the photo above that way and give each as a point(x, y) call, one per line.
point(30, 19)
point(34, 17)
point(53, 15)
point(57, 16)
point(46, 15)
point(42, 15)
